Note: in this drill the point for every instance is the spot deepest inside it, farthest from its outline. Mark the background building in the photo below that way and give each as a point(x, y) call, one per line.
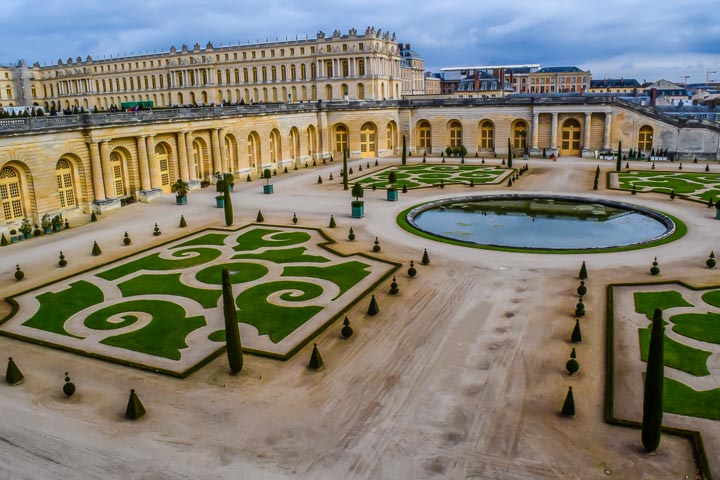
point(615, 85)
point(412, 71)
point(559, 80)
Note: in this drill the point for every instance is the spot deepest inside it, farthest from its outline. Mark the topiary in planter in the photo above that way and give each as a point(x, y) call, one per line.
point(183, 223)
point(319, 179)
point(332, 223)
point(259, 218)
point(95, 249)
point(69, 387)
point(62, 262)
point(135, 409)
point(351, 235)
point(412, 271)
point(710, 262)
point(572, 366)
point(294, 219)
point(568, 408)
point(376, 247)
point(93, 217)
point(582, 289)
point(13, 375)
point(156, 231)
point(576, 336)
point(394, 289)
point(347, 330)
point(583, 275)
point(655, 269)
point(425, 258)
point(373, 308)
point(580, 308)
point(316, 360)
point(126, 239)
point(19, 274)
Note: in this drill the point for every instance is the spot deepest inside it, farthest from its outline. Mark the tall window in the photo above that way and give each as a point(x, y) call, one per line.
point(424, 139)
point(341, 138)
point(645, 138)
point(487, 135)
point(367, 139)
point(66, 189)
point(275, 148)
point(520, 130)
point(117, 174)
point(253, 149)
point(455, 133)
point(361, 67)
point(161, 154)
point(391, 136)
point(10, 194)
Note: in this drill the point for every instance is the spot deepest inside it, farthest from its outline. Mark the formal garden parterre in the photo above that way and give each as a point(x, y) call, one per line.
point(698, 186)
point(161, 309)
point(427, 175)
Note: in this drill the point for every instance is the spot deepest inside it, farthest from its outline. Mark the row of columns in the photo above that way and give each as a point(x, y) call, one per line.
point(554, 129)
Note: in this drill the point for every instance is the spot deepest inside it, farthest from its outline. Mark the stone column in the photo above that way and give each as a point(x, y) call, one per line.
point(143, 163)
point(586, 140)
point(223, 154)
point(191, 158)
point(96, 171)
point(606, 136)
point(183, 157)
point(215, 140)
point(535, 131)
point(553, 131)
point(106, 169)
point(155, 180)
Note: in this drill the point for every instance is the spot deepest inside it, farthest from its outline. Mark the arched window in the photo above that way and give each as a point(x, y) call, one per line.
point(254, 157)
point(361, 67)
point(303, 71)
point(455, 133)
point(328, 92)
point(645, 138)
point(10, 194)
point(570, 143)
point(328, 68)
point(66, 186)
point(116, 170)
point(283, 73)
point(360, 91)
point(162, 155)
point(313, 71)
point(391, 129)
point(520, 130)
point(293, 72)
point(311, 139)
point(424, 136)
point(345, 68)
point(294, 143)
point(487, 135)
point(368, 133)
point(275, 148)
point(273, 73)
point(341, 138)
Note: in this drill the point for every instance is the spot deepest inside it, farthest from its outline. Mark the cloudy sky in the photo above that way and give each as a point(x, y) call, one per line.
point(643, 39)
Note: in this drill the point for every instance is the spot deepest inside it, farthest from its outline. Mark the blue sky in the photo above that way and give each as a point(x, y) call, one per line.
point(643, 39)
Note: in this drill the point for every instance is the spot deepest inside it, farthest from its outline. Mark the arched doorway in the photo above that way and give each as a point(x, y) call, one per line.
point(231, 153)
point(66, 184)
point(570, 138)
point(117, 172)
point(455, 133)
point(341, 138)
point(275, 148)
point(519, 135)
point(254, 154)
point(645, 138)
point(368, 144)
point(162, 156)
point(199, 155)
point(391, 136)
point(294, 144)
point(487, 136)
point(424, 137)
point(11, 195)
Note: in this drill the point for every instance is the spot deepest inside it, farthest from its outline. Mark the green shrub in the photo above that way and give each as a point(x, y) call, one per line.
point(62, 262)
point(93, 217)
point(576, 336)
point(572, 366)
point(316, 360)
point(568, 408)
point(19, 274)
point(425, 258)
point(294, 219)
point(332, 223)
point(655, 269)
point(583, 275)
point(68, 386)
point(394, 289)
point(135, 408)
point(710, 262)
point(232, 331)
point(126, 239)
point(259, 218)
point(572, 353)
point(13, 375)
point(412, 271)
point(183, 223)
point(319, 180)
point(376, 246)
point(653, 393)
point(156, 230)
point(347, 330)
point(580, 308)
point(3, 240)
point(582, 289)
point(96, 249)
point(373, 308)
point(351, 235)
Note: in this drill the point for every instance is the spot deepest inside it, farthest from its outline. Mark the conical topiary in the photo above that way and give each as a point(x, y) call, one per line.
point(13, 375)
point(347, 330)
point(259, 218)
point(672, 194)
point(93, 217)
point(316, 360)
point(582, 289)
point(707, 168)
point(62, 262)
point(394, 289)
point(376, 162)
point(404, 189)
point(576, 336)
point(568, 408)
point(654, 384)
point(248, 178)
point(232, 331)
point(412, 271)
point(655, 269)
point(583, 272)
point(68, 387)
point(19, 274)
point(3, 240)
point(319, 179)
point(156, 230)
point(135, 408)
point(96, 249)
point(373, 308)
point(710, 262)
point(183, 223)
point(351, 235)
point(376, 246)
point(126, 239)
point(285, 170)
point(572, 366)
point(425, 258)
point(332, 223)
point(573, 354)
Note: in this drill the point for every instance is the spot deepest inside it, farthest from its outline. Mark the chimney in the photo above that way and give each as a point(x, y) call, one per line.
point(400, 46)
point(476, 83)
point(653, 96)
point(407, 46)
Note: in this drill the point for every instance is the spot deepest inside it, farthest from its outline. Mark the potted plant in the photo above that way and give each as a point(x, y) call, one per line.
point(46, 223)
point(14, 238)
point(26, 228)
point(392, 193)
point(57, 222)
point(358, 206)
point(180, 188)
point(267, 175)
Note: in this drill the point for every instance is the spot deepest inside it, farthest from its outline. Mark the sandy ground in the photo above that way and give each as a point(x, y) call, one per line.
point(460, 376)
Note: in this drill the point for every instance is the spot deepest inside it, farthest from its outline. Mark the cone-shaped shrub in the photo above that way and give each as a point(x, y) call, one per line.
point(13, 375)
point(576, 336)
point(68, 387)
point(404, 189)
point(232, 331)
point(3, 240)
point(710, 262)
point(285, 170)
point(618, 165)
point(654, 377)
point(412, 271)
point(227, 204)
point(568, 408)
point(672, 194)
point(373, 308)
point(655, 269)
point(135, 408)
point(347, 330)
point(351, 235)
point(376, 246)
point(259, 218)
point(572, 366)
point(583, 272)
point(573, 354)
point(582, 289)
point(424, 159)
point(425, 258)
point(404, 151)
point(294, 219)
point(376, 162)
point(19, 274)
point(332, 223)
point(680, 167)
point(319, 179)
point(126, 239)
point(93, 217)
point(61, 261)
point(316, 360)
point(510, 182)
point(248, 179)
point(394, 289)
point(96, 249)
point(707, 168)
point(345, 171)
point(183, 223)
point(156, 230)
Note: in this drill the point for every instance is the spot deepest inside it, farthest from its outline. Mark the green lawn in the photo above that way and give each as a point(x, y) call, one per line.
point(694, 185)
point(677, 355)
point(647, 302)
point(190, 257)
point(57, 308)
point(683, 400)
point(712, 298)
point(699, 326)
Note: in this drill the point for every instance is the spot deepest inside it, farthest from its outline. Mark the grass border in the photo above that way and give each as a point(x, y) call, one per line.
point(695, 437)
point(185, 373)
point(680, 231)
point(677, 195)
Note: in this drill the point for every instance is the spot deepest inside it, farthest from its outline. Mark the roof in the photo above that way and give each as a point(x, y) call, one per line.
point(665, 85)
point(559, 70)
point(615, 83)
point(520, 70)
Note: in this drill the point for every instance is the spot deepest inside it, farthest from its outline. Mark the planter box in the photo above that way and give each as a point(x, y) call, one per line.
point(358, 212)
point(27, 235)
point(717, 213)
point(392, 195)
point(48, 230)
point(181, 200)
point(267, 189)
point(232, 187)
point(220, 202)
point(14, 239)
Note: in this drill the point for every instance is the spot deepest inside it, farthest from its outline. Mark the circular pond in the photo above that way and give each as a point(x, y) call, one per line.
point(541, 222)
